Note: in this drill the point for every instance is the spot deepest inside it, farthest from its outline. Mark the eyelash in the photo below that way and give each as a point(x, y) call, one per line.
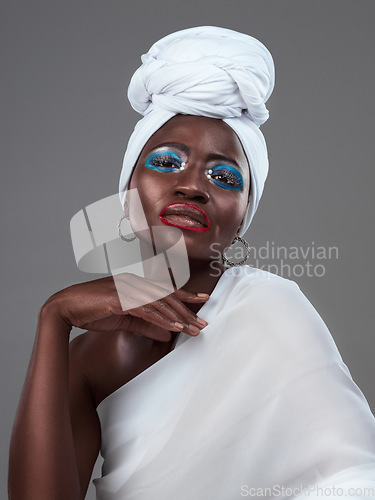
point(226, 177)
point(159, 161)
point(233, 179)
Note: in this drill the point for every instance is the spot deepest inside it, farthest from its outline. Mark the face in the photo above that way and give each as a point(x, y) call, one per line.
point(193, 174)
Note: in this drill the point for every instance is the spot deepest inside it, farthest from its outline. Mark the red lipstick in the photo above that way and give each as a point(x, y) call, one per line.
point(185, 216)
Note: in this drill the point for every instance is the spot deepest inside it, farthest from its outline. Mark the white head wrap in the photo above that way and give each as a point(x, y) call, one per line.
point(205, 71)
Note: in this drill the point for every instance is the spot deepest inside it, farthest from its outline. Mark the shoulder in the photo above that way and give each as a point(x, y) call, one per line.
point(90, 343)
point(251, 279)
point(90, 347)
point(250, 288)
point(97, 358)
point(108, 360)
point(281, 313)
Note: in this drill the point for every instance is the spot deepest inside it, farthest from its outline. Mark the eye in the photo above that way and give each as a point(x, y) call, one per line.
point(226, 177)
point(164, 161)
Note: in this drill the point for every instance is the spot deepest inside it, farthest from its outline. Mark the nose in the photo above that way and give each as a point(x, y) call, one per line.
point(192, 183)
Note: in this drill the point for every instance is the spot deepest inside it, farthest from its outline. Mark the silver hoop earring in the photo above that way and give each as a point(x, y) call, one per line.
point(125, 216)
point(229, 263)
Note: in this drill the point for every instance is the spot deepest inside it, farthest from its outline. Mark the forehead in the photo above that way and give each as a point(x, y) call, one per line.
point(200, 134)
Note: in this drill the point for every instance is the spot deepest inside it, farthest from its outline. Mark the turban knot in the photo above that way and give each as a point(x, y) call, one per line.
point(205, 72)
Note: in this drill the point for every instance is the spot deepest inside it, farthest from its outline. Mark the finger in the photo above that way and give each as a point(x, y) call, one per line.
point(154, 290)
point(186, 296)
point(141, 327)
point(152, 315)
point(159, 289)
point(167, 311)
point(139, 293)
point(143, 291)
point(178, 312)
point(172, 308)
point(184, 312)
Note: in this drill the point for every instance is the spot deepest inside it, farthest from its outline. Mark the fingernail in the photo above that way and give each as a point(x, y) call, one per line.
point(194, 329)
point(203, 295)
point(201, 321)
point(179, 325)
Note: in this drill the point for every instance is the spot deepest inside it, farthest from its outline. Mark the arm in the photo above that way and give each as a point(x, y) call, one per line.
point(84, 418)
point(43, 463)
point(56, 435)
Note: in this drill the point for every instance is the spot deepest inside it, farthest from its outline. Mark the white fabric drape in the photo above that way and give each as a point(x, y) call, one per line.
point(260, 401)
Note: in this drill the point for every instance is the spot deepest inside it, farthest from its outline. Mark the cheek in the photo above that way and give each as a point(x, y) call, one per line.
point(236, 208)
point(138, 205)
point(147, 191)
point(149, 183)
point(228, 219)
point(145, 188)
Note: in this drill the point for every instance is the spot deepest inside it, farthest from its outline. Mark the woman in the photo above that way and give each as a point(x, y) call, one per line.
point(259, 403)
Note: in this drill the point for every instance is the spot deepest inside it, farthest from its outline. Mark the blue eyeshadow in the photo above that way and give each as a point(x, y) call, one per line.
point(164, 161)
point(232, 179)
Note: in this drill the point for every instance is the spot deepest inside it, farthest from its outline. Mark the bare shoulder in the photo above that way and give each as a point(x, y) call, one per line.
point(99, 357)
point(108, 360)
point(90, 347)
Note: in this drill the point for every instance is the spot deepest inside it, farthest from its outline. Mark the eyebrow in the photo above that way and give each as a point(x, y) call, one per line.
point(177, 145)
point(216, 156)
point(211, 156)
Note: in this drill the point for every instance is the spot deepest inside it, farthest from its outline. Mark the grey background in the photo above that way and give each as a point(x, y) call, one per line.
point(65, 123)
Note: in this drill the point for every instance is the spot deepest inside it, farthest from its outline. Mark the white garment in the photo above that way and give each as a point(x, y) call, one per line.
point(205, 71)
point(260, 399)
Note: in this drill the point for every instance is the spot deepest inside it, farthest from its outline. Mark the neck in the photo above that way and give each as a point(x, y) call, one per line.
point(202, 275)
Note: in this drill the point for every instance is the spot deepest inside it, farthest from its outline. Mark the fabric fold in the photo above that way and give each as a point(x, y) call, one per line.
point(260, 399)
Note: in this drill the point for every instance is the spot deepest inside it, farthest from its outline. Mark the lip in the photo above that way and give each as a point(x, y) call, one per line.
point(185, 216)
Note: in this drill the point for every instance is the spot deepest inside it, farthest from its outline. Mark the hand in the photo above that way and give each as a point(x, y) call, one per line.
point(96, 305)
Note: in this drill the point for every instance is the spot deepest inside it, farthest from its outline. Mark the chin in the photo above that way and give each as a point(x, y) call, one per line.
point(164, 239)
